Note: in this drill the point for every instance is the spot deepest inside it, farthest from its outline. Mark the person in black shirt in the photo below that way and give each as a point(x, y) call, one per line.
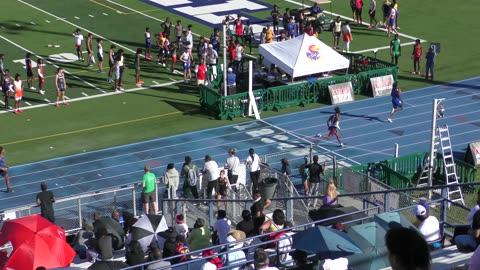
point(315, 170)
point(45, 200)
point(256, 209)
point(246, 225)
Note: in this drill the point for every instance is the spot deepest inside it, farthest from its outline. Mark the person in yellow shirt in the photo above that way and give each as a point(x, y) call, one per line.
point(269, 35)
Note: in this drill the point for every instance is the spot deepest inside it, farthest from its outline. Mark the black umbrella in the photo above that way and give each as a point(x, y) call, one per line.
point(108, 265)
point(145, 230)
point(327, 211)
point(113, 228)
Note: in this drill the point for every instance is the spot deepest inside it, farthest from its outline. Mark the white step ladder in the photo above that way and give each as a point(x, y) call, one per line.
point(422, 180)
point(455, 193)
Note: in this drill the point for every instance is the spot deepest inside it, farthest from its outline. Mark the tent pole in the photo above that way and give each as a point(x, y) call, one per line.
point(225, 60)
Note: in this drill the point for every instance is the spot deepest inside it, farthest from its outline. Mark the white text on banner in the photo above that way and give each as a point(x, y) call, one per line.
point(341, 93)
point(382, 86)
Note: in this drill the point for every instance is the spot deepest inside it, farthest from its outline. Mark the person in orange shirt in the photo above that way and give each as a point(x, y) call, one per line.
point(417, 56)
point(18, 87)
point(269, 35)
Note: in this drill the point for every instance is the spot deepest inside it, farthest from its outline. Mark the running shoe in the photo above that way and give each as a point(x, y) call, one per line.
point(57, 105)
point(33, 88)
point(66, 103)
point(389, 120)
point(42, 92)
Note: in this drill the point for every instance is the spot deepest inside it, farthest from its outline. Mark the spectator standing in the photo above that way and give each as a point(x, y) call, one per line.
point(417, 56)
point(269, 34)
point(29, 68)
point(233, 167)
point(221, 227)
point(248, 35)
point(347, 36)
point(286, 18)
point(61, 85)
point(285, 167)
point(215, 39)
point(178, 31)
point(337, 32)
point(199, 237)
point(171, 180)
point(90, 59)
point(100, 55)
point(353, 6)
point(191, 175)
point(231, 82)
point(391, 22)
point(45, 200)
point(430, 56)
point(7, 87)
point(239, 51)
point(18, 87)
point(221, 188)
point(259, 204)
point(3, 169)
point(246, 225)
point(305, 173)
point(359, 7)
point(187, 60)
point(263, 36)
point(111, 62)
point(211, 174)
point(212, 56)
point(395, 49)
point(292, 28)
point(41, 78)
point(275, 18)
point(407, 249)
point(201, 73)
point(315, 170)
point(167, 27)
point(253, 165)
point(371, 11)
point(202, 49)
point(232, 50)
point(78, 44)
point(148, 193)
point(239, 28)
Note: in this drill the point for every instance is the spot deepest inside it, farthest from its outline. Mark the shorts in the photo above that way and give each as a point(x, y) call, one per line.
point(416, 58)
point(61, 89)
point(372, 14)
point(41, 79)
point(239, 32)
point(223, 191)
point(395, 54)
point(148, 197)
point(148, 43)
point(3, 172)
point(186, 66)
point(174, 58)
point(100, 57)
point(337, 34)
point(161, 51)
point(29, 73)
point(397, 103)
point(333, 131)
point(359, 11)
point(110, 63)
point(89, 51)
point(18, 98)
point(200, 82)
point(391, 22)
point(78, 47)
point(119, 72)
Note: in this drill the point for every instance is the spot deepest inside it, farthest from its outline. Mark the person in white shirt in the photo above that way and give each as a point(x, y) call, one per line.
point(429, 226)
point(78, 43)
point(233, 167)
point(180, 227)
point(253, 163)
point(211, 173)
point(212, 56)
point(467, 240)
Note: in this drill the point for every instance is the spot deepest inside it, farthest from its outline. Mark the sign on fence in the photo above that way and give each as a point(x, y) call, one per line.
point(382, 86)
point(341, 93)
point(473, 154)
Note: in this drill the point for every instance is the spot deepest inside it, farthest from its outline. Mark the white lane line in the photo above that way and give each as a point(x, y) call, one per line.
point(77, 18)
point(1, 102)
point(155, 82)
point(47, 21)
point(50, 63)
point(84, 94)
point(105, 14)
point(32, 23)
point(28, 103)
point(91, 16)
point(18, 25)
point(67, 98)
point(47, 100)
point(105, 94)
point(384, 47)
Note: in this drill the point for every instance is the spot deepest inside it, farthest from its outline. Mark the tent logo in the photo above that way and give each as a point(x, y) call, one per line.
point(313, 53)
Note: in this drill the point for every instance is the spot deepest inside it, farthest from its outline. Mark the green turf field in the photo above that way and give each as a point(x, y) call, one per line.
point(99, 118)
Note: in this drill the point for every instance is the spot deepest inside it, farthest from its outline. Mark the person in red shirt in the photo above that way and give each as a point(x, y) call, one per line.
point(232, 49)
point(201, 73)
point(180, 249)
point(417, 56)
point(239, 28)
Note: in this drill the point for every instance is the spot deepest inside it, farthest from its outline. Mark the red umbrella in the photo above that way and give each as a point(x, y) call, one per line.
point(36, 242)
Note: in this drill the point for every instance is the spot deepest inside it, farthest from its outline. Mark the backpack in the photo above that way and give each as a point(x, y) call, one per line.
point(331, 121)
point(272, 236)
point(192, 176)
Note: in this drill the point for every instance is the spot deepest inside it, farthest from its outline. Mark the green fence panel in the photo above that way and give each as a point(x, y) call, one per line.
point(236, 105)
point(209, 99)
point(393, 178)
point(408, 165)
point(467, 173)
point(286, 96)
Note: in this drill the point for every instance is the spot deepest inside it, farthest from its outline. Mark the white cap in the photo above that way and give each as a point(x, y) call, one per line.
point(419, 210)
point(230, 70)
point(210, 46)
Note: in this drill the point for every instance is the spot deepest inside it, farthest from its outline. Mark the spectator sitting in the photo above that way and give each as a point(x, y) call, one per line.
point(429, 226)
point(200, 236)
point(104, 244)
point(407, 249)
point(301, 260)
point(246, 225)
point(221, 227)
point(134, 254)
point(79, 243)
point(181, 228)
point(235, 256)
point(171, 180)
point(275, 224)
point(261, 260)
point(212, 262)
point(169, 242)
point(469, 242)
point(180, 249)
point(331, 194)
point(157, 255)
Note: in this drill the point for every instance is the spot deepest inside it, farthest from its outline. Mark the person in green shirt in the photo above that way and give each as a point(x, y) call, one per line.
point(395, 49)
point(148, 193)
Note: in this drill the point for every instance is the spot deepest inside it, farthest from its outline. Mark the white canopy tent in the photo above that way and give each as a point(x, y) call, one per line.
point(302, 56)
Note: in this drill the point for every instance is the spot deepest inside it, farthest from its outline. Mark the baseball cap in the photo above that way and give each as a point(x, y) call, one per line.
point(419, 210)
point(210, 46)
point(229, 69)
